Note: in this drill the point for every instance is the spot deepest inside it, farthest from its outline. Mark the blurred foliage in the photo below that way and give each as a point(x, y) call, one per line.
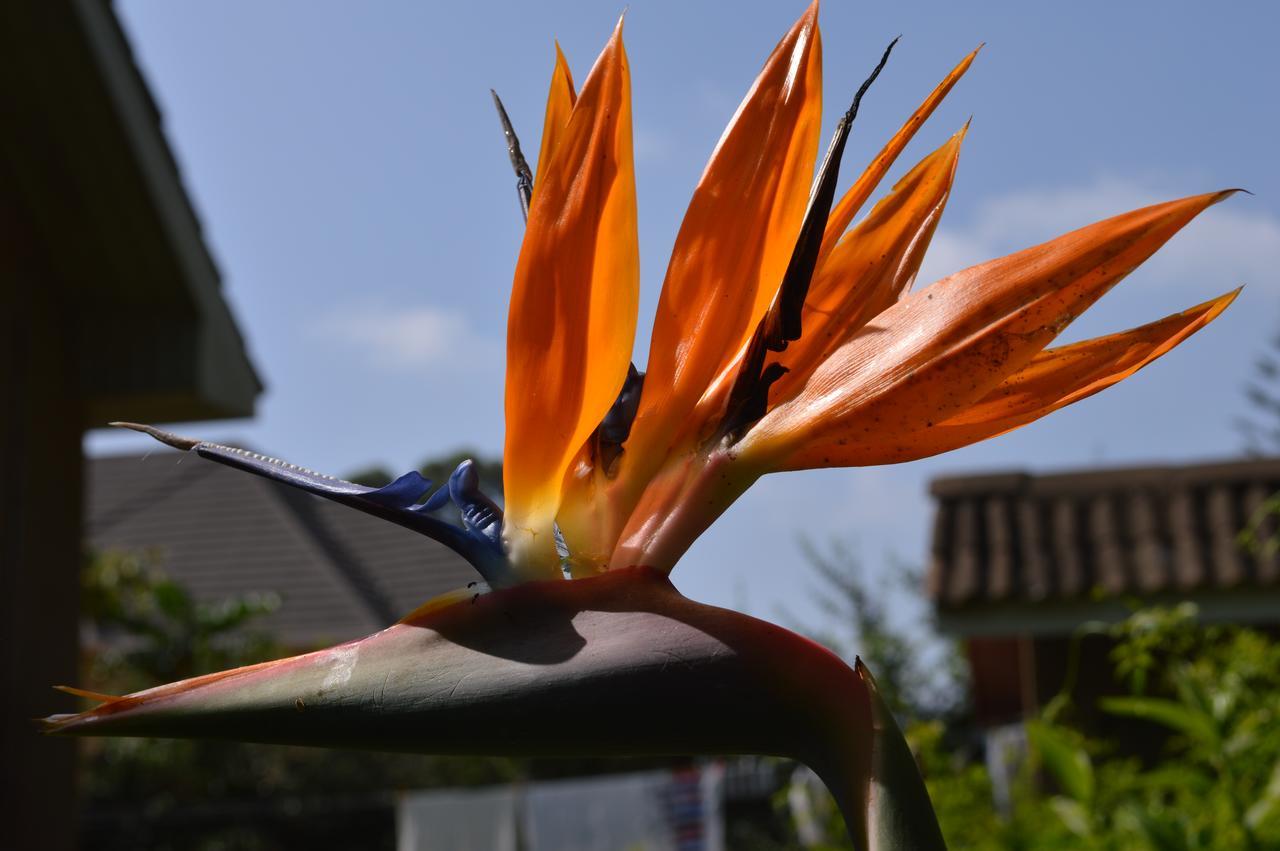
point(920, 673)
point(1261, 430)
point(1213, 692)
point(1261, 535)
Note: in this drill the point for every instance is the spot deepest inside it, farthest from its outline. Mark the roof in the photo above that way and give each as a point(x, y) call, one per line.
point(1017, 539)
point(219, 532)
point(100, 199)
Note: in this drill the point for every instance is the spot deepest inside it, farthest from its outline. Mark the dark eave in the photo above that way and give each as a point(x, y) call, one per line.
point(92, 175)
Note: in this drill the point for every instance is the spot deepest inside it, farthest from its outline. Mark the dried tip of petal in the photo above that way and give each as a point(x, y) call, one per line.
point(54, 723)
point(177, 441)
point(866, 84)
point(85, 693)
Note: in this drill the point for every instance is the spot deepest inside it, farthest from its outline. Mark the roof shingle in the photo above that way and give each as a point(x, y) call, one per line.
point(1017, 537)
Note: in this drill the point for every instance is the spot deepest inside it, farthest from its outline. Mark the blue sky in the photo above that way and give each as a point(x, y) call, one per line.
point(354, 190)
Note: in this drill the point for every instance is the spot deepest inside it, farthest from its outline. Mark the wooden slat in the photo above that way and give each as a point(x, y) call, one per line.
point(1000, 555)
point(965, 577)
point(1223, 527)
point(1032, 540)
point(1151, 569)
point(1066, 550)
point(1108, 554)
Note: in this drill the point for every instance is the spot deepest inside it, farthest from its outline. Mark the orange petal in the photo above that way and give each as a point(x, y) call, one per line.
point(847, 208)
point(736, 239)
point(573, 308)
point(941, 349)
point(869, 271)
point(1054, 379)
point(560, 101)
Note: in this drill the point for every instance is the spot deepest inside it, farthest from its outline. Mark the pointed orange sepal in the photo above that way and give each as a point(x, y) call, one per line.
point(572, 318)
point(942, 349)
point(868, 272)
point(560, 100)
point(735, 241)
point(849, 205)
point(1056, 378)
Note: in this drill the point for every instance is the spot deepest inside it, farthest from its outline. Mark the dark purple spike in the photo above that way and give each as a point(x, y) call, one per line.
point(615, 428)
point(524, 176)
point(748, 398)
point(782, 323)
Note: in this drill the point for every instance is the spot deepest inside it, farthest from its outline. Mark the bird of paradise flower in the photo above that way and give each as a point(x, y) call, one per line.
point(786, 338)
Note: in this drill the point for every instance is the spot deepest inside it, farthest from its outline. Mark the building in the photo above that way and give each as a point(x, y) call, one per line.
point(1019, 562)
point(111, 308)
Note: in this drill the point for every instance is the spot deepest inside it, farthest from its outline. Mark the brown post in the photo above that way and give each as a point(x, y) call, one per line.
point(40, 495)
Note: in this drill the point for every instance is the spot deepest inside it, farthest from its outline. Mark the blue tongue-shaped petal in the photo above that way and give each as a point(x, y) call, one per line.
point(481, 516)
point(479, 542)
point(404, 492)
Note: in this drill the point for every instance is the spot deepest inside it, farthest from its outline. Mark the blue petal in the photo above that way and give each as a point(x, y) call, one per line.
point(437, 500)
point(404, 492)
point(481, 516)
point(397, 502)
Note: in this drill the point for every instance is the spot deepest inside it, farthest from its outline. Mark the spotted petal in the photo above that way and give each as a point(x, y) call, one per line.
point(849, 205)
point(1054, 379)
point(947, 346)
point(868, 271)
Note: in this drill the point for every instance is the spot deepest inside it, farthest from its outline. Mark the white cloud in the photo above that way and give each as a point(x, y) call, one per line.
point(411, 338)
point(1234, 243)
point(651, 144)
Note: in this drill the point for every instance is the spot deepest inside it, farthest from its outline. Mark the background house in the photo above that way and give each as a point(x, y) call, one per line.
point(1020, 562)
point(110, 308)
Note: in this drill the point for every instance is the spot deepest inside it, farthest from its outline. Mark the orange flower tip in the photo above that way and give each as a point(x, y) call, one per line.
point(1224, 301)
point(177, 441)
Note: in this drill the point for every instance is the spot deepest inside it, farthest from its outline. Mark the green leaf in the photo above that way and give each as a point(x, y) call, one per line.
point(1268, 803)
point(1190, 721)
point(1070, 765)
point(1164, 833)
point(1073, 815)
